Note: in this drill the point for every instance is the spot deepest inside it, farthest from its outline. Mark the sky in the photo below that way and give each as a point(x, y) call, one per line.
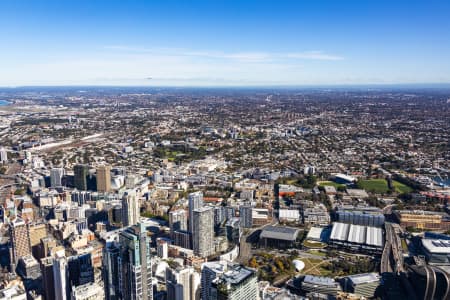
point(224, 43)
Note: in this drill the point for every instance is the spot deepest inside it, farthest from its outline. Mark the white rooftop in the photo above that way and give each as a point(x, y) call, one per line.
point(357, 234)
point(436, 246)
point(314, 233)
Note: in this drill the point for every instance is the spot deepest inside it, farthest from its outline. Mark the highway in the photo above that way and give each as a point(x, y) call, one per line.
point(392, 258)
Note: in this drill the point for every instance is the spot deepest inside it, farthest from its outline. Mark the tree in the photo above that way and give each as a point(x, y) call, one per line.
point(253, 263)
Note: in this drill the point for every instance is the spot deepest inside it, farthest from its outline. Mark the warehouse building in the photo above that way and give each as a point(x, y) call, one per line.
point(357, 237)
point(359, 218)
point(279, 237)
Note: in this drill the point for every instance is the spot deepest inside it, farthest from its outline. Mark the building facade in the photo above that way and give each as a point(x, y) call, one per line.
point(238, 283)
point(135, 264)
point(104, 178)
point(56, 175)
point(130, 208)
point(195, 202)
point(177, 220)
point(203, 231)
point(80, 174)
point(110, 270)
point(182, 284)
point(20, 240)
point(419, 219)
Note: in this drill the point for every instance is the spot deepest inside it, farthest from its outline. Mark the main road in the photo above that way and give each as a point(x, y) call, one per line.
point(392, 258)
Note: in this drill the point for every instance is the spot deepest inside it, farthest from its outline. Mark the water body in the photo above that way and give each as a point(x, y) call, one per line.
point(4, 103)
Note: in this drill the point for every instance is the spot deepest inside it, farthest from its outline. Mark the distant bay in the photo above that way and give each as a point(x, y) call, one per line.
point(4, 103)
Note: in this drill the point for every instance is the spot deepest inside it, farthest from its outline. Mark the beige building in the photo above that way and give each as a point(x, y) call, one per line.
point(37, 231)
point(20, 240)
point(104, 178)
point(423, 220)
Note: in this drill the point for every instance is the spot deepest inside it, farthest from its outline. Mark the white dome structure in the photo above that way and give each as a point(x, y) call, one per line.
point(299, 265)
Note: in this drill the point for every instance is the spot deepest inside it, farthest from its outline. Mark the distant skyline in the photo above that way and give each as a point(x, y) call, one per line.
point(224, 43)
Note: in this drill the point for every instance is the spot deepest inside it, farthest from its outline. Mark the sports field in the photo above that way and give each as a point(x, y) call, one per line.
point(380, 186)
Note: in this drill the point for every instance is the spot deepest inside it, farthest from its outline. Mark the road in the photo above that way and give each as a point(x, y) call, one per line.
point(245, 246)
point(387, 210)
point(392, 258)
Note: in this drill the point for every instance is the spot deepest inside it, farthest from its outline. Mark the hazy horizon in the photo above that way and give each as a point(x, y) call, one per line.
point(224, 43)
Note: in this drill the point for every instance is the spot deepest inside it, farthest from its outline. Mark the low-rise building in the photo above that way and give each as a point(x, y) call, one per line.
point(362, 284)
point(357, 237)
point(90, 291)
point(436, 251)
point(424, 220)
point(279, 236)
point(237, 283)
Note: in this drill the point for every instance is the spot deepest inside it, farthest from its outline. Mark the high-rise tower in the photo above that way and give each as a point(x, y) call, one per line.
point(80, 177)
point(195, 201)
point(130, 208)
point(104, 179)
point(20, 240)
point(135, 264)
point(203, 232)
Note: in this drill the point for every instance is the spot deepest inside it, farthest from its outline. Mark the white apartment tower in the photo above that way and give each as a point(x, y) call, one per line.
point(195, 201)
point(203, 232)
point(130, 208)
point(56, 175)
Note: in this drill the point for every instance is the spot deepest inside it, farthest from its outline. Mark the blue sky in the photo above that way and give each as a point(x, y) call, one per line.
point(192, 43)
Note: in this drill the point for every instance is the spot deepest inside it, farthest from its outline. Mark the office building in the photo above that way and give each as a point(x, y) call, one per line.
point(28, 267)
point(62, 288)
point(237, 283)
point(195, 202)
point(182, 239)
point(245, 216)
point(37, 231)
point(110, 270)
point(135, 265)
point(182, 284)
point(130, 208)
point(195, 286)
point(20, 240)
point(56, 175)
point(362, 284)
point(13, 292)
point(80, 197)
point(162, 248)
point(48, 283)
point(203, 231)
point(261, 216)
point(3, 155)
point(89, 291)
point(104, 179)
point(115, 216)
point(321, 285)
point(177, 220)
point(246, 195)
point(419, 219)
point(210, 271)
point(80, 270)
point(436, 251)
point(233, 230)
point(289, 215)
point(80, 177)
